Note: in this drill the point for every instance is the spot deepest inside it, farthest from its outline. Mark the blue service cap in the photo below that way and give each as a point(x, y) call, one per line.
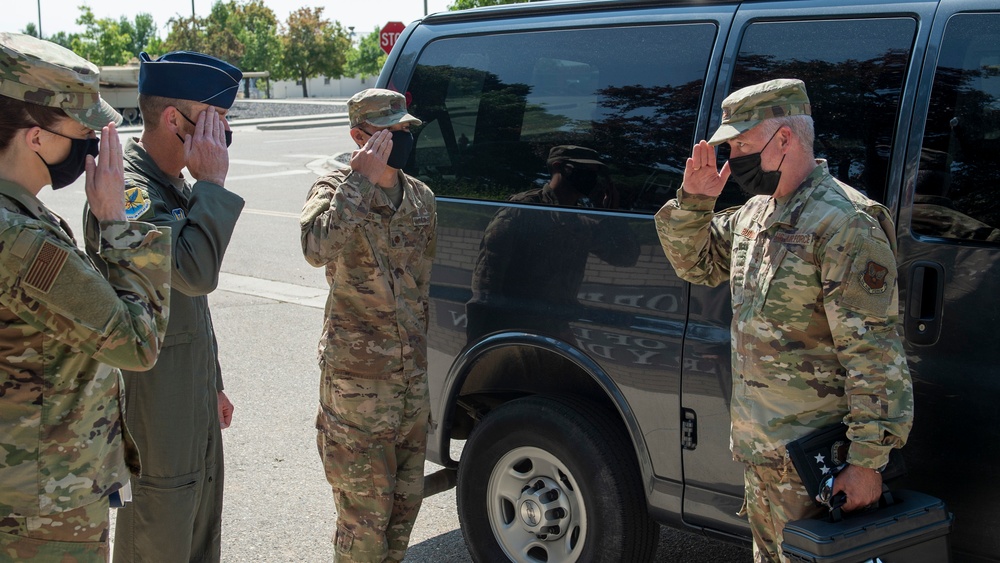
point(186, 75)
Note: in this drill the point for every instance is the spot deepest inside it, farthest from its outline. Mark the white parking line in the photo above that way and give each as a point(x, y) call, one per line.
point(255, 162)
point(271, 213)
point(278, 291)
point(270, 175)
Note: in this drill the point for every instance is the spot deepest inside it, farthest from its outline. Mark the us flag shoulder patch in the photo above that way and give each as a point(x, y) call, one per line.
point(46, 267)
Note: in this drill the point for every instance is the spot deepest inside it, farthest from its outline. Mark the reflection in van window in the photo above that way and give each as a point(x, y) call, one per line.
point(854, 71)
point(956, 193)
point(494, 106)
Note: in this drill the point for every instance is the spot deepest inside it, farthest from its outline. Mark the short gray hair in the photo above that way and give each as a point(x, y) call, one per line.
point(801, 126)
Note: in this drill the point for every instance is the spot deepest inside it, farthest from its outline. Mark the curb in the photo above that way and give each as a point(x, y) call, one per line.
point(276, 123)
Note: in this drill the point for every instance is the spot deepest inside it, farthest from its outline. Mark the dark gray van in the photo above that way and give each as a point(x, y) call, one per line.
point(591, 384)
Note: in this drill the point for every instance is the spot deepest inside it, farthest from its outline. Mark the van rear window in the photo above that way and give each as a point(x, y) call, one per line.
point(494, 106)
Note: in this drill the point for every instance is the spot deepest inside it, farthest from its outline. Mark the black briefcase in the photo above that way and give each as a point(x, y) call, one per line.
point(914, 528)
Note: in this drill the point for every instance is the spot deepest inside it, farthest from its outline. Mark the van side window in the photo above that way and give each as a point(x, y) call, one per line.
point(854, 71)
point(495, 105)
point(957, 189)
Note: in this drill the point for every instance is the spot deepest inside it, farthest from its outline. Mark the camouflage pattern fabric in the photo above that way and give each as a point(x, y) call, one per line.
point(815, 314)
point(372, 439)
point(378, 264)
point(176, 511)
point(775, 496)
point(373, 355)
point(65, 331)
point(79, 535)
point(379, 107)
point(43, 73)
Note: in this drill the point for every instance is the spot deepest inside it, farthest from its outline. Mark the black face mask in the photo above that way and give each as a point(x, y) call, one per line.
point(66, 172)
point(229, 134)
point(402, 145)
point(582, 179)
point(749, 175)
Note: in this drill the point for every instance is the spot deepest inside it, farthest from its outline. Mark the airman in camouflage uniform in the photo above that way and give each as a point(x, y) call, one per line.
point(811, 263)
point(373, 229)
point(65, 331)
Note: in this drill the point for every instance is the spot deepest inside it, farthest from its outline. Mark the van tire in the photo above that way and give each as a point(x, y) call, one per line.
point(553, 479)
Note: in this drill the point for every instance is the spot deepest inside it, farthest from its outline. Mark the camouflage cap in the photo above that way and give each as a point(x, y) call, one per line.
point(379, 107)
point(573, 153)
point(40, 72)
point(745, 108)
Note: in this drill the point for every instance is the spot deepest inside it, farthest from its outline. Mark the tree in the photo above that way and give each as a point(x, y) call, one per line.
point(466, 4)
point(30, 29)
point(185, 35)
point(257, 30)
point(106, 42)
point(312, 46)
point(367, 58)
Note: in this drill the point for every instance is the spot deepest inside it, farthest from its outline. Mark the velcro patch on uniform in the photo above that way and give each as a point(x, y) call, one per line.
point(136, 203)
point(45, 267)
point(178, 214)
point(422, 219)
point(869, 286)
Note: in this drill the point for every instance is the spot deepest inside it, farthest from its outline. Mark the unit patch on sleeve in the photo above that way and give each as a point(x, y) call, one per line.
point(136, 203)
point(178, 214)
point(46, 267)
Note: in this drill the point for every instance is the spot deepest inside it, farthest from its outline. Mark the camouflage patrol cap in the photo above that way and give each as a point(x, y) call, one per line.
point(40, 72)
point(573, 153)
point(379, 107)
point(745, 108)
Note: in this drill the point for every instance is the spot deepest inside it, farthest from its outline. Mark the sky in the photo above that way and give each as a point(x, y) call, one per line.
point(60, 15)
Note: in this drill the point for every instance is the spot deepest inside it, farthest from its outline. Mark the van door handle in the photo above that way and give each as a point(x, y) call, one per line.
point(924, 299)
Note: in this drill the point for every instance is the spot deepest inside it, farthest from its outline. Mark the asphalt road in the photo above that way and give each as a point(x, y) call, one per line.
point(268, 313)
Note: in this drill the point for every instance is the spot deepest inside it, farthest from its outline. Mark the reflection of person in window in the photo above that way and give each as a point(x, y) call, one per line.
point(934, 212)
point(531, 261)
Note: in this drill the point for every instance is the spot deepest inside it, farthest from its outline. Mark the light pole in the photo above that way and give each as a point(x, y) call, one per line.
point(39, 19)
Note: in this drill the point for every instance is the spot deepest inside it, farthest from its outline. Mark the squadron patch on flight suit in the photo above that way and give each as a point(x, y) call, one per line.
point(136, 203)
point(178, 214)
point(45, 267)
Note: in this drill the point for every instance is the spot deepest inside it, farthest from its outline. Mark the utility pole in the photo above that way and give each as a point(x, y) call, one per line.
point(425, 7)
point(192, 9)
point(40, 19)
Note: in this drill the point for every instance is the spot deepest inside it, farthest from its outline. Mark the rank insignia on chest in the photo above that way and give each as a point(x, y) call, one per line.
point(749, 233)
point(178, 214)
point(136, 203)
point(873, 278)
point(422, 219)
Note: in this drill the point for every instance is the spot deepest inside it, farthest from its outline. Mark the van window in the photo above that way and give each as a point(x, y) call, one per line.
point(957, 190)
point(495, 105)
point(853, 70)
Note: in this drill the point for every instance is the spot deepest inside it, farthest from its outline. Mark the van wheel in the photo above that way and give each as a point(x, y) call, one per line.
point(554, 480)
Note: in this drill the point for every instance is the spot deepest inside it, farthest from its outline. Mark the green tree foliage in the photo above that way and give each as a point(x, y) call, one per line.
point(466, 4)
point(186, 34)
point(30, 29)
point(258, 32)
point(367, 58)
point(109, 42)
point(312, 46)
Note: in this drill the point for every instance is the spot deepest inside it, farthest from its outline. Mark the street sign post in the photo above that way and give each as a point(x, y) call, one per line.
point(388, 35)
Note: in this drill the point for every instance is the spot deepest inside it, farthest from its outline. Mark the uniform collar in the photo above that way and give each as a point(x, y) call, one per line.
point(789, 209)
point(29, 201)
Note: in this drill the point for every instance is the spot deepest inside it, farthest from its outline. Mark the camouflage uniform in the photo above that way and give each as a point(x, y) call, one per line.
point(373, 414)
point(815, 324)
point(173, 408)
point(65, 333)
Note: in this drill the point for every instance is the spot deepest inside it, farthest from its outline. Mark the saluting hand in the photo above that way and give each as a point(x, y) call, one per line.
point(105, 178)
point(370, 160)
point(206, 154)
point(700, 173)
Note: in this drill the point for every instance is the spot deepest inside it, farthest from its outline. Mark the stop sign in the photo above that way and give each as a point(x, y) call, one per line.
point(390, 32)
